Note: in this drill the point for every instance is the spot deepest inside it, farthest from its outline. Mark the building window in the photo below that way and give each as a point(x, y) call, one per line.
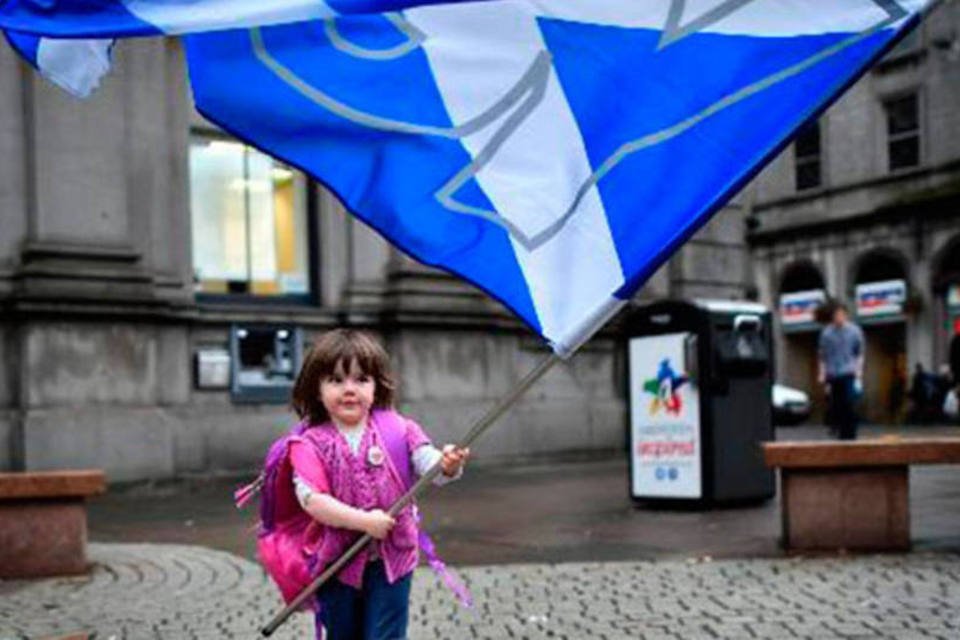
point(806, 151)
point(249, 220)
point(903, 132)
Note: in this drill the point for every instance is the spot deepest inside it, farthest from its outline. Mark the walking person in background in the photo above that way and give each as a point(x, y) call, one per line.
point(841, 369)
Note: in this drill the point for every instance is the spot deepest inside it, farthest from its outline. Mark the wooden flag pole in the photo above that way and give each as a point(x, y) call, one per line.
point(478, 429)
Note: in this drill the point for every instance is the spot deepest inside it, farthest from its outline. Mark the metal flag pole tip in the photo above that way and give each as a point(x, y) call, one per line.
point(484, 423)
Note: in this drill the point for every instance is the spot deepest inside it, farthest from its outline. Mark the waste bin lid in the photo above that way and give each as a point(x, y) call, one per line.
point(730, 306)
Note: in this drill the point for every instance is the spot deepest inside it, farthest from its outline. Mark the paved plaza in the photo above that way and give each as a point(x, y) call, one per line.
point(184, 592)
point(561, 554)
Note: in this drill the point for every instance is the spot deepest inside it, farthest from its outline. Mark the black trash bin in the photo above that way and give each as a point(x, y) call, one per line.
point(700, 376)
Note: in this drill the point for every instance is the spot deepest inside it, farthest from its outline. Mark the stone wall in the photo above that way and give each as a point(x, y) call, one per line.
point(119, 396)
point(448, 381)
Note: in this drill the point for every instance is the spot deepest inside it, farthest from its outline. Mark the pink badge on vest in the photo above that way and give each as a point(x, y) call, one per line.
point(375, 455)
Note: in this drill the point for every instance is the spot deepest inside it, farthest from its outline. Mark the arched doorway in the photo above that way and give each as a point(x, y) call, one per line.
point(946, 296)
point(801, 276)
point(802, 291)
point(880, 294)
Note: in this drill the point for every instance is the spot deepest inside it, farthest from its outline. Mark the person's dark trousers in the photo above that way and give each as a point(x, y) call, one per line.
point(377, 611)
point(841, 413)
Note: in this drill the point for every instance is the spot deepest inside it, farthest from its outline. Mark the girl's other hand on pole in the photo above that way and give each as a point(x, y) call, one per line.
point(379, 523)
point(454, 458)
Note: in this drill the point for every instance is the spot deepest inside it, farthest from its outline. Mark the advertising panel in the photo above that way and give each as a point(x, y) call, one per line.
point(664, 419)
point(799, 307)
point(881, 298)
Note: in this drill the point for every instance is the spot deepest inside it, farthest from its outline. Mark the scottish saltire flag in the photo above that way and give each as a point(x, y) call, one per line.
point(554, 152)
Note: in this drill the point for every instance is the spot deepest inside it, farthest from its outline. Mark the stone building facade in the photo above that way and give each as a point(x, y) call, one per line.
point(145, 329)
point(865, 208)
point(152, 315)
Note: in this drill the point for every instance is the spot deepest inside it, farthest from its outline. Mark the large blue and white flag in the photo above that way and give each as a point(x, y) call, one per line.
point(553, 152)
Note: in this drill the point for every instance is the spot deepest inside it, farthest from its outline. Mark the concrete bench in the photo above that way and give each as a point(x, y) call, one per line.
point(851, 494)
point(43, 522)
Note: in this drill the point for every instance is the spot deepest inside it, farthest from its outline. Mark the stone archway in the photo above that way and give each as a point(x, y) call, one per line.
point(946, 298)
point(802, 275)
point(880, 288)
point(798, 356)
point(878, 265)
point(946, 265)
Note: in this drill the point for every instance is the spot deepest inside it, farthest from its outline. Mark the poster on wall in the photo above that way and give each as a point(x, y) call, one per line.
point(799, 308)
point(664, 419)
point(884, 298)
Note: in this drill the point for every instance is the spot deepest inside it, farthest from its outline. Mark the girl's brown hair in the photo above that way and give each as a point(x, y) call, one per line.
point(341, 347)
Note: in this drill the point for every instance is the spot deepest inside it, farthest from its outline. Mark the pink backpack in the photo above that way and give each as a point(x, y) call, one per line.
point(284, 527)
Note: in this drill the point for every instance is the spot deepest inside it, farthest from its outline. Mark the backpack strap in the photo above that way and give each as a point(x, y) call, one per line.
point(393, 434)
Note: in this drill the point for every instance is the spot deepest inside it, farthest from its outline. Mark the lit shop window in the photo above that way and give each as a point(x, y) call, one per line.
point(903, 132)
point(249, 221)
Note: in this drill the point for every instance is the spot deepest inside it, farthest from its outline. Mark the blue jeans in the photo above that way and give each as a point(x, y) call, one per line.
point(377, 611)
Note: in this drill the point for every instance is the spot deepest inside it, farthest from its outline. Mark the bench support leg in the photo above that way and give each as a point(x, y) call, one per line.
point(862, 509)
point(43, 538)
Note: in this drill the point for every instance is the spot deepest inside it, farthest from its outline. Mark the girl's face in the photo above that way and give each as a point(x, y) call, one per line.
point(347, 394)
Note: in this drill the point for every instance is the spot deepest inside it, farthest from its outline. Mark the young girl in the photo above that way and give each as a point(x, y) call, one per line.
point(346, 474)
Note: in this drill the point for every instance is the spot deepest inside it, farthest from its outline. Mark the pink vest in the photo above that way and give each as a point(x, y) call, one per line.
point(294, 548)
point(356, 481)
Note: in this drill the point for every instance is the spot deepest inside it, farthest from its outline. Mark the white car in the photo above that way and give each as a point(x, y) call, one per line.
point(790, 406)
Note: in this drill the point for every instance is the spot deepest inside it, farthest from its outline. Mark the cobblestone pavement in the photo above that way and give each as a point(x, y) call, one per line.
point(183, 592)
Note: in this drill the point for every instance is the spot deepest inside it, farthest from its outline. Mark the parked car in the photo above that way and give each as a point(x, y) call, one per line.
point(790, 406)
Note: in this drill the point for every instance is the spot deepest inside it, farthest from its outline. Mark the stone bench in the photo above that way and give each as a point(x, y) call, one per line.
point(43, 522)
point(851, 494)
